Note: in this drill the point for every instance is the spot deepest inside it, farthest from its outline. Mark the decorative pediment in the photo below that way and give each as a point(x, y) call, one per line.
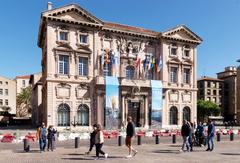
point(174, 60)
point(182, 33)
point(72, 12)
point(84, 49)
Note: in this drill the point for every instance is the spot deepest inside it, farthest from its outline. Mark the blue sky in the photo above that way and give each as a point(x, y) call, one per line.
point(217, 22)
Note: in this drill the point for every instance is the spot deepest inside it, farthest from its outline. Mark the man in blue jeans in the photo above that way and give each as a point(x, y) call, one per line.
point(42, 137)
point(210, 136)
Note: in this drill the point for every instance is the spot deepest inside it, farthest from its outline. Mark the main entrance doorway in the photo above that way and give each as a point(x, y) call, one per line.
point(134, 112)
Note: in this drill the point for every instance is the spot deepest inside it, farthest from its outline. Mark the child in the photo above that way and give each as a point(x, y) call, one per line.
point(92, 139)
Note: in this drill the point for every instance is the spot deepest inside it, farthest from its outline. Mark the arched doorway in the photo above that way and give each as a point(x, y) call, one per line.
point(63, 115)
point(83, 115)
point(173, 115)
point(186, 113)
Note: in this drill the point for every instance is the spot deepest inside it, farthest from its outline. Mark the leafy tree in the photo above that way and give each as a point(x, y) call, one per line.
point(206, 109)
point(23, 102)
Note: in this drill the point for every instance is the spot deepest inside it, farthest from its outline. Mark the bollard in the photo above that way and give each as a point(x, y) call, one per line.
point(139, 139)
point(231, 136)
point(77, 140)
point(26, 146)
point(218, 136)
point(119, 140)
point(157, 139)
point(174, 138)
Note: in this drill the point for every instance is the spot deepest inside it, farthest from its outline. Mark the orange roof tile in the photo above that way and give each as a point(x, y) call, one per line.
point(23, 77)
point(130, 28)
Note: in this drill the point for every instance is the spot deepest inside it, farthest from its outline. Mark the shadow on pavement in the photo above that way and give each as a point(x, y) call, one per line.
point(231, 154)
point(175, 145)
point(81, 158)
point(22, 151)
point(75, 154)
point(167, 151)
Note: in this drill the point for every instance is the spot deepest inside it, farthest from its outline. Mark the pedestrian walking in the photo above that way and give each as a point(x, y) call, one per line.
point(185, 131)
point(190, 139)
point(42, 137)
point(92, 139)
point(51, 137)
point(130, 131)
point(210, 136)
point(99, 140)
point(200, 134)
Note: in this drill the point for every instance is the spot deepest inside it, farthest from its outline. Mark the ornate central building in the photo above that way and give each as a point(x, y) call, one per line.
point(79, 51)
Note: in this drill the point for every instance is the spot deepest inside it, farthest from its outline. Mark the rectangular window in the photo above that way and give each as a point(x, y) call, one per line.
point(208, 92)
point(6, 102)
point(6, 83)
point(214, 92)
point(186, 53)
point(83, 39)
point(174, 51)
point(83, 66)
point(186, 75)
point(173, 74)
point(63, 36)
point(1, 102)
point(1, 91)
point(209, 84)
point(208, 99)
point(23, 83)
point(6, 92)
point(63, 64)
point(0, 82)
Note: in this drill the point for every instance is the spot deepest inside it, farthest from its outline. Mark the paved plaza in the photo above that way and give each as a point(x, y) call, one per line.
point(225, 151)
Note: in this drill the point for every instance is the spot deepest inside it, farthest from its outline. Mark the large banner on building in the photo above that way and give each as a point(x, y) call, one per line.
point(112, 103)
point(156, 116)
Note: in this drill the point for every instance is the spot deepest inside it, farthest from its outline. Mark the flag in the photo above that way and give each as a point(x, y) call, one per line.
point(145, 63)
point(156, 64)
point(149, 61)
point(102, 58)
point(106, 57)
point(159, 64)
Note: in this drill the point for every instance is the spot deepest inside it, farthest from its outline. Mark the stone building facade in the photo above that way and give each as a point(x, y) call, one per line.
point(238, 93)
point(229, 77)
point(211, 89)
point(7, 95)
point(74, 68)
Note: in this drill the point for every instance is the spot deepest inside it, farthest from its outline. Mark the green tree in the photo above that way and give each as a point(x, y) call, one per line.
point(23, 102)
point(206, 109)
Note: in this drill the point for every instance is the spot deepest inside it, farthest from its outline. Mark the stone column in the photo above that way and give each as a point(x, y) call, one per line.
point(146, 112)
point(123, 109)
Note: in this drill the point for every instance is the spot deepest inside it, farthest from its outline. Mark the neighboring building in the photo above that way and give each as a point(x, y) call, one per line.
point(229, 76)
point(22, 82)
point(7, 95)
point(238, 93)
point(211, 89)
point(36, 98)
point(72, 42)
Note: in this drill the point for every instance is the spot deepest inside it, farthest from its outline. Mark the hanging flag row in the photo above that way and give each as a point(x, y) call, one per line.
point(150, 62)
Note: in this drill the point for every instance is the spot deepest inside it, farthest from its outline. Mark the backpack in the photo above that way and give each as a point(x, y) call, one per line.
point(43, 132)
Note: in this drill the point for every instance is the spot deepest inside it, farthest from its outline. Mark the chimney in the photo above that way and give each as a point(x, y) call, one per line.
point(49, 5)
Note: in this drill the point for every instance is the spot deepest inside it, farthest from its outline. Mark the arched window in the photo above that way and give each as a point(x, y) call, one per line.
point(83, 115)
point(63, 115)
point(173, 116)
point(107, 71)
point(186, 113)
point(130, 72)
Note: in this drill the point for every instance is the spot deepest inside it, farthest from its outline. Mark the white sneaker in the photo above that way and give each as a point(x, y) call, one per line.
point(135, 152)
point(129, 156)
point(180, 150)
point(106, 155)
point(97, 158)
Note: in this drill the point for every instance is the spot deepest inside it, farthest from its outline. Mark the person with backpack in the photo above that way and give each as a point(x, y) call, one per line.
point(130, 131)
point(42, 137)
point(51, 137)
point(92, 139)
point(99, 140)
